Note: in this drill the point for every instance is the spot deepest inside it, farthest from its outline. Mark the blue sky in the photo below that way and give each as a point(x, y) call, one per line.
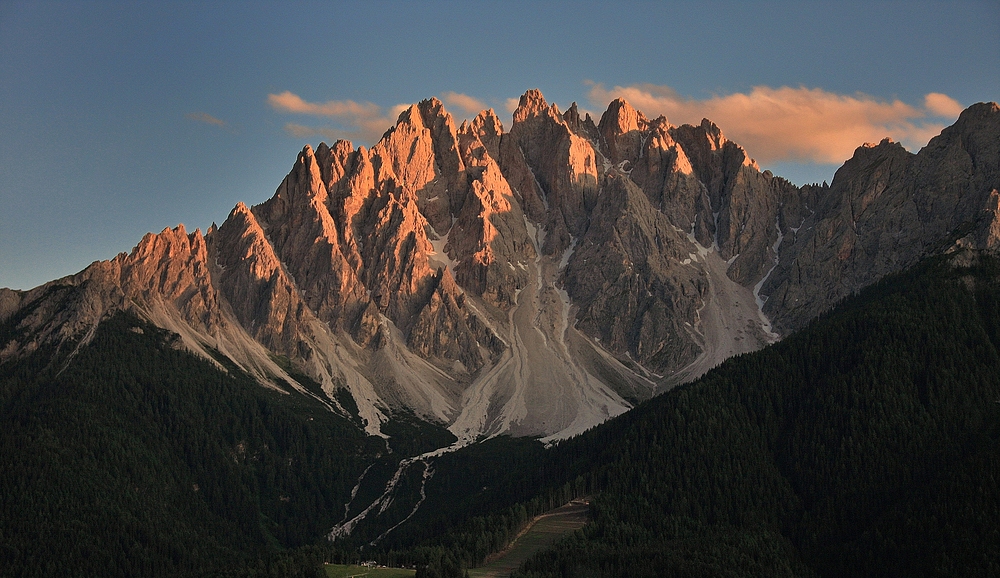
point(121, 118)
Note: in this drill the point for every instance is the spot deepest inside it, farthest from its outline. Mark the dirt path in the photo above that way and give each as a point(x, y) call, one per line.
point(543, 531)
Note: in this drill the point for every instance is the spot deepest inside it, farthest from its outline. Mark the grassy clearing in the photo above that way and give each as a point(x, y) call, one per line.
point(343, 571)
point(546, 529)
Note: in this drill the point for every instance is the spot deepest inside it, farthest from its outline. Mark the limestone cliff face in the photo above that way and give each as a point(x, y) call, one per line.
point(662, 169)
point(885, 209)
point(305, 238)
point(261, 294)
point(555, 170)
point(489, 238)
point(527, 280)
point(627, 276)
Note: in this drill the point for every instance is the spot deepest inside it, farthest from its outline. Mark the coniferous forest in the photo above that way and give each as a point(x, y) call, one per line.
point(864, 445)
point(132, 458)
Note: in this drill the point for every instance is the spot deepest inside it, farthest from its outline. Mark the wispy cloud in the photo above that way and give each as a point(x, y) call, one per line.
point(942, 105)
point(205, 118)
point(290, 102)
point(795, 124)
point(469, 105)
point(358, 121)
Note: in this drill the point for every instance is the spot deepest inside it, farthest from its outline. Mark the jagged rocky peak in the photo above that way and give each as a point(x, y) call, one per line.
point(488, 240)
point(553, 170)
point(887, 208)
point(867, 174)
point(663, 171)
point(254, 282)
point(711, 153)
point(447, 331)
point(622, 129)
point(487, 128)
point(868, 151)
point(446, 156)
point(713, 133)
point(982, 117)
point(532, 103)
point(626, 275)
point(302, 186)
point(621, 116)
point(172, 265)
point(584, 127)
point(420, 155)
point(319, 254)
point(406, 152)
point(335, 164)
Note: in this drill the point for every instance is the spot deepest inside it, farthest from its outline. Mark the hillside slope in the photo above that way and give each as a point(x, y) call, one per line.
point(864, 445)
point(129, 457)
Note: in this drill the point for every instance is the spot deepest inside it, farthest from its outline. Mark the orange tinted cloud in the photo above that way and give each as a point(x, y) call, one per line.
point(290, 102)
point(359, 121)
point(794, 124)
point(205, 118)
point(469, 105)
point(942, 105)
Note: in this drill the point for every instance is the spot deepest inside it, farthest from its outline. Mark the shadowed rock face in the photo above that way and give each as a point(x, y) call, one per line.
point(535, 280)
point(627, 276)
point(885, 210)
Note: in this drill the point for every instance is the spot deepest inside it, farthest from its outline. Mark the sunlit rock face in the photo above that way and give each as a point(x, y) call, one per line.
point(534, 279)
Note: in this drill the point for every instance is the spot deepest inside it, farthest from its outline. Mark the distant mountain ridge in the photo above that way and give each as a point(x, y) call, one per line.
point(534, 281)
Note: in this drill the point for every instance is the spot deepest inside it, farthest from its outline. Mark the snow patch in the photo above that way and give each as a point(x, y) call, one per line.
point(567, 254)
point(701, 249)
point(440, 258)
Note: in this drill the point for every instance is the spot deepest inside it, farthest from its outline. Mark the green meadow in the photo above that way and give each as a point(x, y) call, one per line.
point(547, 529)
point(351, 571)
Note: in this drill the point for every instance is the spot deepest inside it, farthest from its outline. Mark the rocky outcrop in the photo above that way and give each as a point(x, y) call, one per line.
point(562, 165)
point(262, 295)
point(447, 331)
point(306, 240)
point(10, 301)
point(489, 238)
point(887, 208)
point(628, 277)
point(623, 130)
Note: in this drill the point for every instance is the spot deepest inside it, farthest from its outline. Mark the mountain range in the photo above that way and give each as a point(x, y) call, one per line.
point(534, 280)
point(499, 286)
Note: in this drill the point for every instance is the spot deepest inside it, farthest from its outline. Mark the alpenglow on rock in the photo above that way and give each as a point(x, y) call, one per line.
point(531, 281)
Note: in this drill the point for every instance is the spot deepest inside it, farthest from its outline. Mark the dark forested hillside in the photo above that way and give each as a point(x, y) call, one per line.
point(865, 445)
point(132, 458)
